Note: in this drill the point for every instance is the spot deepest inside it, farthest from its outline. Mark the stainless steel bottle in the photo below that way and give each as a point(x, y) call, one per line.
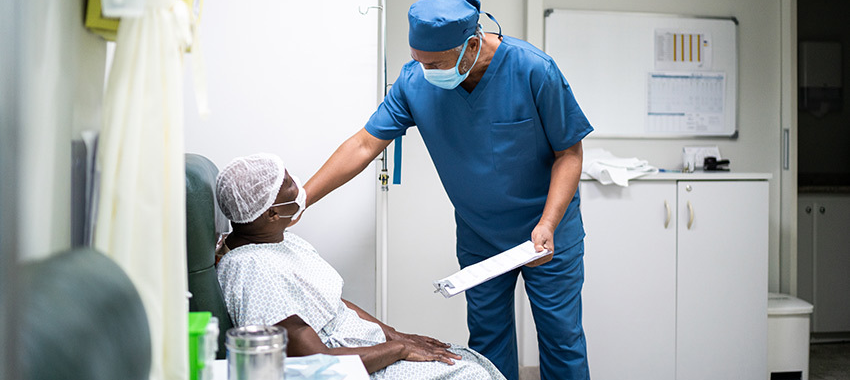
point(256, 352)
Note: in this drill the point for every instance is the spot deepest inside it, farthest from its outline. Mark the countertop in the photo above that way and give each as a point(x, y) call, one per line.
point(698, 175)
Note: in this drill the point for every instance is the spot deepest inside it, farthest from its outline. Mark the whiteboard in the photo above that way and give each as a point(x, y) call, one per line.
point(648, 75)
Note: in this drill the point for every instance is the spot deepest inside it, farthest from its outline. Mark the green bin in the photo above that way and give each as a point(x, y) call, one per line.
point(203, 343)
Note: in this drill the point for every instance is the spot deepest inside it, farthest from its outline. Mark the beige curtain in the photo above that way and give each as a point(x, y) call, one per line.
point(141, 210)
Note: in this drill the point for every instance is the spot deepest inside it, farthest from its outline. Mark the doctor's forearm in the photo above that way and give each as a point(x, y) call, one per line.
point(566, 172)
point(346, 162)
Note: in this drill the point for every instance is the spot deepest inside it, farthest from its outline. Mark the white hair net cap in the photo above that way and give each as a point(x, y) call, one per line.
point(249, 185)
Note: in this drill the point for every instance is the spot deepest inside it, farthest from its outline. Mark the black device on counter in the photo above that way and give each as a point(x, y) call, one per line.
point(712, 164)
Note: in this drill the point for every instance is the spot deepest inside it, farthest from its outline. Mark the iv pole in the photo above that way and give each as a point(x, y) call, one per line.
point(383, 177)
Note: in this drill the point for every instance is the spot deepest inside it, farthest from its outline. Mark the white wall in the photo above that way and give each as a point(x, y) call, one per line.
point(62, 68)
point(295, 79)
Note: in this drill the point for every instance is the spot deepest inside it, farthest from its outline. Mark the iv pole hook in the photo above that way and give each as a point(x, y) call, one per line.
point(360, 9)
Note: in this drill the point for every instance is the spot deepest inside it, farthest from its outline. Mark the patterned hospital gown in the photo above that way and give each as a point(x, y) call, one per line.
point(266, 283)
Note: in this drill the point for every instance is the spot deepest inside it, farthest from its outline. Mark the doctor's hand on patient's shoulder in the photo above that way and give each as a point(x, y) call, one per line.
point(543, 238)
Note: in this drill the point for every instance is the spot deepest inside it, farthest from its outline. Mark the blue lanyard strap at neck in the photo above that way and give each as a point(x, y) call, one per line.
point(494, 20)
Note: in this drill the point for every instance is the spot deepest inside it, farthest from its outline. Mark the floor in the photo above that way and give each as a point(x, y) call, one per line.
point(529, 373)
point(827, 361)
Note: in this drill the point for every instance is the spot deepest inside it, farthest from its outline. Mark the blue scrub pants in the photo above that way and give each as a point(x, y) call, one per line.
point(554, 292)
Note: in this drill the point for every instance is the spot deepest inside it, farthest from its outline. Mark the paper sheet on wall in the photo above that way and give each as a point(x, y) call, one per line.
point(476, 274)
point(686, 102)
point(682, 50)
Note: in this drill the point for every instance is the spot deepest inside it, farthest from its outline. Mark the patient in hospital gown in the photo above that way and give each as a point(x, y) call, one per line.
point(272, 277)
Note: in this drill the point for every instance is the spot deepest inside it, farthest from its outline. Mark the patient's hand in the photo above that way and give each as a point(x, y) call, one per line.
point(419, 351)
point(392, 334)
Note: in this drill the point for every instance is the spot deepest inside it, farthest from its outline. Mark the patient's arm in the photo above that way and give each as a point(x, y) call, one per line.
point(391, 332)
point(304, 341)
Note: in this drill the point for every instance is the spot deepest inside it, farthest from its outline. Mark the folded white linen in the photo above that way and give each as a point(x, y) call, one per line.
point(606, 168)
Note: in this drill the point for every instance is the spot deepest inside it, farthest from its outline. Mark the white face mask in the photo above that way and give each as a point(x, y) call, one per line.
point(300, 200)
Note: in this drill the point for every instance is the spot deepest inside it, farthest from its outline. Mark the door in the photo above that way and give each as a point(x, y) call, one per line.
point(629, 295)
point(787, 263)
point(721, 330)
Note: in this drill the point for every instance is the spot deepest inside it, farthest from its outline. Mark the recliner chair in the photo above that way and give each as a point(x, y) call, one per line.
point(201, 214)
point(82, 318)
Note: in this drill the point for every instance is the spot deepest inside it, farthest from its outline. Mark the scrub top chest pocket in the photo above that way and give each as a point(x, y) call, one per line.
point(514, 143)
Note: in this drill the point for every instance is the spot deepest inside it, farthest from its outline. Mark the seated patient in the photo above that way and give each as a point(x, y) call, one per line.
point(270, 276)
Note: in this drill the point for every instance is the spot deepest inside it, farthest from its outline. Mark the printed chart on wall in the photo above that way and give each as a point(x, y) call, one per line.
point(648, 75)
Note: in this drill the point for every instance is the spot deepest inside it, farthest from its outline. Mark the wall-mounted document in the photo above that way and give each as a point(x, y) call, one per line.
point(476, 274)
point(689, 102)
point(682, 50)
point(648, 75)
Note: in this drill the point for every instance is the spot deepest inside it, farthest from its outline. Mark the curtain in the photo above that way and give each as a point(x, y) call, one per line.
point(141, 208)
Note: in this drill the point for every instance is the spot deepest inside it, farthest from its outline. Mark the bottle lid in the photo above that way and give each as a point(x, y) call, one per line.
point(256, 338)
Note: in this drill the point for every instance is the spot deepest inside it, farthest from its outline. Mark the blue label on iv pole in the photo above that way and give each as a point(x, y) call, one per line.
point(397, 162)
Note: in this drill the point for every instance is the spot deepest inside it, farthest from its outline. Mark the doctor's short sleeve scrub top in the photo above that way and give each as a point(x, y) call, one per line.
point(494, 147)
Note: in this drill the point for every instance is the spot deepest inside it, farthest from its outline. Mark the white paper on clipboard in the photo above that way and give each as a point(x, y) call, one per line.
point(476, 274)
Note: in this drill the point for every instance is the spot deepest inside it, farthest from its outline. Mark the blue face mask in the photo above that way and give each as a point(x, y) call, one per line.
point(449, 79)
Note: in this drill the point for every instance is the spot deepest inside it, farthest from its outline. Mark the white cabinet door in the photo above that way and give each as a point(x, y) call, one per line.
point(823, 259)
point(806, 212)
point(831, 265)
point(721, 326)
point(629, 295)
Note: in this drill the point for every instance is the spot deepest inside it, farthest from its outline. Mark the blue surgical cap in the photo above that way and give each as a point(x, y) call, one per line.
point(438, 25)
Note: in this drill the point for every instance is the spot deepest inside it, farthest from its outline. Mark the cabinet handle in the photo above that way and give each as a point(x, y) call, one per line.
point(667, 221)
point(691, 217)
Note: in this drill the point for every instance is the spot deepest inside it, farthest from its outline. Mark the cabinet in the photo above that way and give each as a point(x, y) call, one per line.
point(824, 259)
point(629, 293)
point(676, 279)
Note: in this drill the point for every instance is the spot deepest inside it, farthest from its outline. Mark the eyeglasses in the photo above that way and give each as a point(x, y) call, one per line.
point(298, 211)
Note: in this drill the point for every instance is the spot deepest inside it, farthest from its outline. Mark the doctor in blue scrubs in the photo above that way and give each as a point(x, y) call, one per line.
point(504, 131)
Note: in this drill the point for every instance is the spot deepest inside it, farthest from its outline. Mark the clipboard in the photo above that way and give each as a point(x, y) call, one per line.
point(476, 274)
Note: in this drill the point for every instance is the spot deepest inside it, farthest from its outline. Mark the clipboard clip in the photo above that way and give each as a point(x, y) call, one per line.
point(443, 286)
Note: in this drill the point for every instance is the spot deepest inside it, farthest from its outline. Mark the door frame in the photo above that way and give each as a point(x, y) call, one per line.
point(788, 149)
